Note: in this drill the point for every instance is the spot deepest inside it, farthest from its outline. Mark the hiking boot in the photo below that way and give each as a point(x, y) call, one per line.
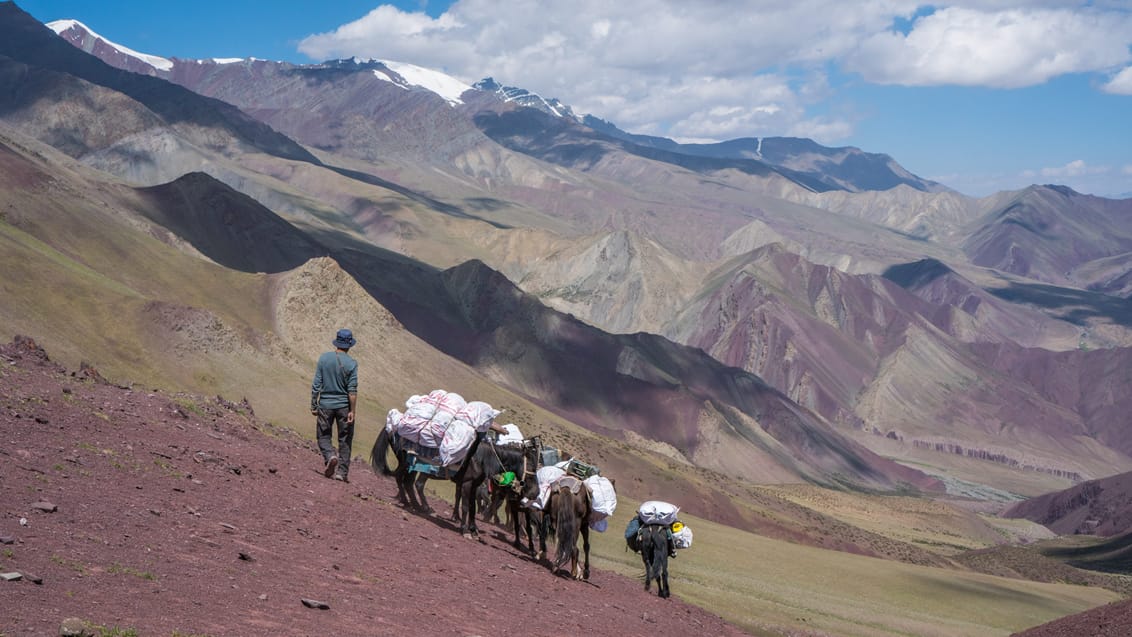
point(341, 477)
point(331, 466)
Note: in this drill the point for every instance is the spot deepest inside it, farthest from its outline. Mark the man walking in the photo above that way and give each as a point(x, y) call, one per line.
point(334, 397)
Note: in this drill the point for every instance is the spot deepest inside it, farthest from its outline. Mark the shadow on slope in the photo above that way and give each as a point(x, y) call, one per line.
point(1075, 306)
point(227, 226)
point(1111, 555)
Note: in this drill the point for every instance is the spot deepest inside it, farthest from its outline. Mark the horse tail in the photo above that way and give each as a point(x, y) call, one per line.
point(656, 538)
point(567, 528)
point(377, 455)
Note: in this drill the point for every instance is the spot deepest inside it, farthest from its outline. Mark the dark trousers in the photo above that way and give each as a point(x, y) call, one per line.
point(325, 431)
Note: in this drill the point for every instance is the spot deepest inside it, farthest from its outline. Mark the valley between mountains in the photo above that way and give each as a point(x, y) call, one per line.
point(887, 408)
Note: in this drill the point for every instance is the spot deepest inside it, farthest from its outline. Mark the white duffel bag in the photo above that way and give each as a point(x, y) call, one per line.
point(603, 497)
point(513, 435)
point(657, 512)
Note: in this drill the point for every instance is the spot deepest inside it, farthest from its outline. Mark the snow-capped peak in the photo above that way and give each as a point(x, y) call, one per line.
point(523, 97)
point(160, 63)
point(443, 85)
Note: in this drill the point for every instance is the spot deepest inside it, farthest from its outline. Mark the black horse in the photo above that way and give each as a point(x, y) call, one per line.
point(482, 462)
point(653, 543)
point(525, 487)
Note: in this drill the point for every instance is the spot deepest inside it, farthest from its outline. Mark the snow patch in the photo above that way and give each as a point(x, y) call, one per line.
point(160, 63)
point(443, 85)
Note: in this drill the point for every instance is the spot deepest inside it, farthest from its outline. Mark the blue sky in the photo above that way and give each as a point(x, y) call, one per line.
point(981, 95)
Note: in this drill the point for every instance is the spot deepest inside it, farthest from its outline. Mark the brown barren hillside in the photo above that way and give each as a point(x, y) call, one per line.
point(174, 514)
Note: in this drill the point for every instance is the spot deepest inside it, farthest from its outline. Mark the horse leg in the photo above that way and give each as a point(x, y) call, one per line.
point(403, 493)
point(468, 524)
point(586, 549)
point(513, 513)
point(530, 536)
point(664, 576)
point(498, 498)
point(575, 566)
point(487, 500)
point(459, 497)
point(419, 485)
point(648, 573)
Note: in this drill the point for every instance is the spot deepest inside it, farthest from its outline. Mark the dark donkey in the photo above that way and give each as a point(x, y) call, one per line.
point(482, 462)
point(523, 485)
point(652, 539)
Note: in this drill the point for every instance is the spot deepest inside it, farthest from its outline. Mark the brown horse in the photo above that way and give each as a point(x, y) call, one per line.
point(569, 511)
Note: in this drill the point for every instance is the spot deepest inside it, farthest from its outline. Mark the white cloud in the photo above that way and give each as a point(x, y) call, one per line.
point(1075, 168)
point(998, 49)
point(1121, 83)
point(718, 70)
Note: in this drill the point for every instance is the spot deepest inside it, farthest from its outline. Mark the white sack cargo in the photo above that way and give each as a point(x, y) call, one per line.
point(458, 439)
point(419, 410)
point(657, 512)
point(447, 409)
point(683, 538)
point(513, 435)
point(433, 431)
point(478, 415)
point(546, 476)
point(392, 420)
point(603, 496)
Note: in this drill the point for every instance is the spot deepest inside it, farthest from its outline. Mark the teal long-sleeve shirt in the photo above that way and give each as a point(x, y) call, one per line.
point(335, 378)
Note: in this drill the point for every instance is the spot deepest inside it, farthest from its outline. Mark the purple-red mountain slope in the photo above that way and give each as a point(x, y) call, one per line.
point(1045, 232)
point(1096, 507)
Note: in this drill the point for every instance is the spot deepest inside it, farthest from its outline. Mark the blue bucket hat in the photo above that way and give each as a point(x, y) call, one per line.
point(344, 339)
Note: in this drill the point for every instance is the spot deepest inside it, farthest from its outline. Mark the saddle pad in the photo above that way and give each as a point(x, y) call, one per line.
point(421, 451)
point(569, 482)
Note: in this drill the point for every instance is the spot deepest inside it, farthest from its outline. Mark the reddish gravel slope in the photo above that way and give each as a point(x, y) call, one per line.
point(184, 515)
point(1111, 620)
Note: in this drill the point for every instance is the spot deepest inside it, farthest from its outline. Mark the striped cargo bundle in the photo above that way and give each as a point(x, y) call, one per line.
point(432, 433)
